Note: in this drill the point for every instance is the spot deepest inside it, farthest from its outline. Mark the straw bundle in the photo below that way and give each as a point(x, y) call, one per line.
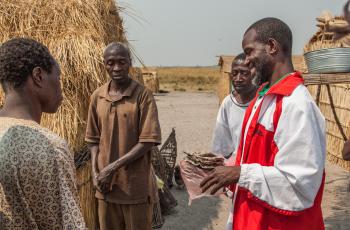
point(224, 85)
point(136, 74)
point(151, 81)
point(333, 99)
point(327, 36)
point(340, 95)
point(76, 32)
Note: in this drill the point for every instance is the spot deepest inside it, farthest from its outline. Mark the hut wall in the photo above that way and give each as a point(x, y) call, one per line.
point(341, 98)
point(224, 83)
point(151, 81)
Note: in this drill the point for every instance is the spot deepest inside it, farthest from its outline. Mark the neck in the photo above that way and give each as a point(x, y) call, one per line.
point(247, 96)
point(119, 86)
point(19, 105)
point(281, 69)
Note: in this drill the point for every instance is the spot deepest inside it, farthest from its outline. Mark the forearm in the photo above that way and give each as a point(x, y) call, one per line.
point(94, 149)
point(346, 151)
point(282, 188)
point(135, 153)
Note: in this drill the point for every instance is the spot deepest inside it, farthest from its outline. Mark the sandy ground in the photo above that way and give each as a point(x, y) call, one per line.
point(193, 115)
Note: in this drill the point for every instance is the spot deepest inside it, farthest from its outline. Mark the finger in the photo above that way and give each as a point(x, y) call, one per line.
point(104, 188)
point(99, 189)
point(205, 180)
point(216, 188)
point(209, 184)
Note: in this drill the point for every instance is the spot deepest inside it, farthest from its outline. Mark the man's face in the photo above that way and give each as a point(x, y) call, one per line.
point(117, 62)
point(51, 91)
point(241, 78)
point(257, 57)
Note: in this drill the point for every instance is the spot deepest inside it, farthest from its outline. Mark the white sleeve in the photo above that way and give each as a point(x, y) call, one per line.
point(293, 182)
point(222, 139)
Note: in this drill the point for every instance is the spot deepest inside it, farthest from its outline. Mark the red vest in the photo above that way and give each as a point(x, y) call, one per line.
point(251, 213)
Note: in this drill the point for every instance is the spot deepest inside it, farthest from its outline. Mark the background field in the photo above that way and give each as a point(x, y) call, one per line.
point(189, 79)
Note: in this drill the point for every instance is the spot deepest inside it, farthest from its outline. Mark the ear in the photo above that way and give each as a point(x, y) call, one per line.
point(37, 76)
point(273, 46)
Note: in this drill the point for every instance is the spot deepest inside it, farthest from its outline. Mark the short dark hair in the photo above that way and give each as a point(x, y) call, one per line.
point(18, 58)
point(239, 59)
point(119, 45)
point(275, 28)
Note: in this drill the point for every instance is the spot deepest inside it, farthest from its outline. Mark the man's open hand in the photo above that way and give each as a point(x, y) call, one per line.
point(221, 176)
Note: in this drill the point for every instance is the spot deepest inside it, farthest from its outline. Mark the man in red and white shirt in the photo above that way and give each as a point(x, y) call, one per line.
point(278, 175)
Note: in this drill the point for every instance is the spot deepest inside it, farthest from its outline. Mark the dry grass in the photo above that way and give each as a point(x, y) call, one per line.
point(341, 97)
point(188, 78)
point(76, 32)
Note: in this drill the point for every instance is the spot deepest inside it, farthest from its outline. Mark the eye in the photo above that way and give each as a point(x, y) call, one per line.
point(245, 72)
point(234, 73)
point(248, 51)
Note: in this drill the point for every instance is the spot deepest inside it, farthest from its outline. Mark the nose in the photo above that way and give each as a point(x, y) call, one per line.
point(247, 61)
point(239, 77)
point(116, 67)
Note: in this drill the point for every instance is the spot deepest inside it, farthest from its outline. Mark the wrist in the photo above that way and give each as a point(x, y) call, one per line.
point(237, 173)
point(116, 165)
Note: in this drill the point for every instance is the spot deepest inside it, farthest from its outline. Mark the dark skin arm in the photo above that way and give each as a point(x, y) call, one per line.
point(346, 150)
point(105, 176)
point(220, 177)
point(94, 149)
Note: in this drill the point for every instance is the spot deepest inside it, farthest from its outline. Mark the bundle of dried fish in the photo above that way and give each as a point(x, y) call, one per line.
point(204, 161)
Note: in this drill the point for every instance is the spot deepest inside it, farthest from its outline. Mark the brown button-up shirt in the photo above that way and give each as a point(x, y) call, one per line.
point(117, 125)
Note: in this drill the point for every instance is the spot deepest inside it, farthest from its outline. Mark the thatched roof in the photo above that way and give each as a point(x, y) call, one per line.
point(76, 32)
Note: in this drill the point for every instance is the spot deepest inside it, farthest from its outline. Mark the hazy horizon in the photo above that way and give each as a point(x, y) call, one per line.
point(195, 32)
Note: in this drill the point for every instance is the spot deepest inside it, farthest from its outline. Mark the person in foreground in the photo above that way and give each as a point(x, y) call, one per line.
point(37, 174)
point(278, 176)
point(122, 128)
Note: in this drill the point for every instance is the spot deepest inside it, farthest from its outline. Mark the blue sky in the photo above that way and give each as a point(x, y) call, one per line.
point(194, 32)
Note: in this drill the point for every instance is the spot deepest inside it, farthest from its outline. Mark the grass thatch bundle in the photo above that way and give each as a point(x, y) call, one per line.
point(76, 32)
point(151, 81)
point(136, 74)
point(224, 84)
point(326, 36)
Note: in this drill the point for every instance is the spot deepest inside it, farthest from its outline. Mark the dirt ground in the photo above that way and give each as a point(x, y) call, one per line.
point(193, 115)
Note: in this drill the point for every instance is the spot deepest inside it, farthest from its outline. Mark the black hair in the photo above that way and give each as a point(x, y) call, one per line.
point(275, 28)
point(120, 46)
point(18, 58)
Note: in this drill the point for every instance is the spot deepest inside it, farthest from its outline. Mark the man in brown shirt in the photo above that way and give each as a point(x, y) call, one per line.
point(122, 128)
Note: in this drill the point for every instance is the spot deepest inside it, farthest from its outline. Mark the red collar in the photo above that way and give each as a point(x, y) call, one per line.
point(286, 86)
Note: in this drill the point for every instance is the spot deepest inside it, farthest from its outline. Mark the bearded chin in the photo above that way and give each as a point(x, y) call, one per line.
point(264, 76)
point(264, 71)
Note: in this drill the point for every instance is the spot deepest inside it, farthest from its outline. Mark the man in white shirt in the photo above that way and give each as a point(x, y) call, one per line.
point(230, 116)
point(231, 113)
